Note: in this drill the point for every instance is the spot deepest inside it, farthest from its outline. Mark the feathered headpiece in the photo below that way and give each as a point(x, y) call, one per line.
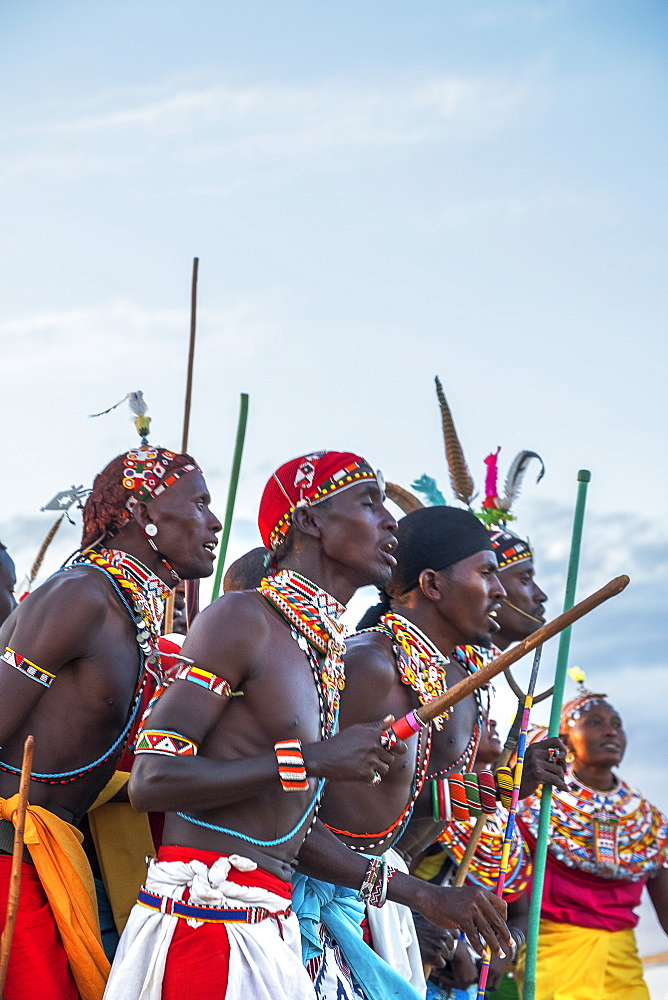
point(138, 408)
point(496, 509)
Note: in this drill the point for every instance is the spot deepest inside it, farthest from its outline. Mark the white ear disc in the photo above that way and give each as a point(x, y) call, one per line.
point(151, 529)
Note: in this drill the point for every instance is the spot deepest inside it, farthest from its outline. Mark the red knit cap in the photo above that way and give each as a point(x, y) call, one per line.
point(305, 481)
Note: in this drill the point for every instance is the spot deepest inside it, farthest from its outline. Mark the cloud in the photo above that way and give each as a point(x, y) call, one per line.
point(224, 125)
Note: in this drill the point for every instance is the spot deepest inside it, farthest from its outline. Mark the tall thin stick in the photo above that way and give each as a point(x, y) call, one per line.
point(231, 493)
point(191, 586)
point(17, 860)
point(540, 855)
point(512, 812)
point(191, 356)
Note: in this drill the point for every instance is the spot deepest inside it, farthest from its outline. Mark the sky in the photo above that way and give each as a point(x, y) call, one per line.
point(378, 192)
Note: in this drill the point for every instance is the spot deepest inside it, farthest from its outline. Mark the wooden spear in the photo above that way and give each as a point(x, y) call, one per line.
point(191, 586)
point(17, 859)
point(417, 719)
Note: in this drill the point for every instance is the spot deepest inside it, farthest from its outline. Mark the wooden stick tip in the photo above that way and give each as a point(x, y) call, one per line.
point(584, 476)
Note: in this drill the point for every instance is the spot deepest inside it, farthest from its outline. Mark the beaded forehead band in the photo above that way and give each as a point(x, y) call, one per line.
point(352, 474)
point(584, 702)
point(145, 474)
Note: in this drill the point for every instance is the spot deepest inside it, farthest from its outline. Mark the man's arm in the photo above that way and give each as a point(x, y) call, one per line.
point(227, 638)
point(54, 626)
point(474, 910)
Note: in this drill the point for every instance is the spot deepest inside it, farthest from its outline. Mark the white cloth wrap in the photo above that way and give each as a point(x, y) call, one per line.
point(393, 933)
point(263, 966)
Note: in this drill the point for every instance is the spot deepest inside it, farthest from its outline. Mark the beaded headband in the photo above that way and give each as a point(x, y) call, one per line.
point(145, 474)
point(583, 702)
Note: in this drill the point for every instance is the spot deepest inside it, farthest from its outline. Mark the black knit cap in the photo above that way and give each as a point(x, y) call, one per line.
point(435, 538)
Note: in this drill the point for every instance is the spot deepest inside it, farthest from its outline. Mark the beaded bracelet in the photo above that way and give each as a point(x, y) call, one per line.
point(504, 782)
point(371, 877)
point(373, 889)
point(291, 768)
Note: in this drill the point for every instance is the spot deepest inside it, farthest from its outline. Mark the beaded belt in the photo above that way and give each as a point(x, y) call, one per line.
point(208, 914)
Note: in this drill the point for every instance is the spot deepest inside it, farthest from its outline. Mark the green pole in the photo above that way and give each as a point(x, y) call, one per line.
point(540, 856)
point(231, 493)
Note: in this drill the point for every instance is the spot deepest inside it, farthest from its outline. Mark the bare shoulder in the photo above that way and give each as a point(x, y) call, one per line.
point(60, 620)
point(370, 667)
point(370, 654)
point(230, 633)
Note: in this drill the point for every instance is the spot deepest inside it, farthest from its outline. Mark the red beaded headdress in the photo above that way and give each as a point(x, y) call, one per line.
point(305, 481)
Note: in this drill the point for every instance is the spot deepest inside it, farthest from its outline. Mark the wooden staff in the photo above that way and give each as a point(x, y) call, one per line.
point(191, 586)
point(419, 718)
point(17, 860)
point(191, 356)
point(512, 812)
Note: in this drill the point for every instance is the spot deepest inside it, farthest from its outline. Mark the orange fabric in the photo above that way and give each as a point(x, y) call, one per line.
point(63, 870)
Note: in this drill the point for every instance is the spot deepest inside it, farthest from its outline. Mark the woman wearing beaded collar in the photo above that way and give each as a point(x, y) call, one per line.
point(606, 844)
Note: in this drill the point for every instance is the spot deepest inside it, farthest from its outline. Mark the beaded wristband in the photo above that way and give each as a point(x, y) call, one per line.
point(378, 895)
point(371, 877)
point(460, 810)
point(487, 787)
point(165, 742)
point(472, 794)
point(504, 783)
point(27, 668)
point(291, 769)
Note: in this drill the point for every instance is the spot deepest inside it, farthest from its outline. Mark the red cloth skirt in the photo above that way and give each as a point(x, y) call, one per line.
point(198, 962)
point(38, 966)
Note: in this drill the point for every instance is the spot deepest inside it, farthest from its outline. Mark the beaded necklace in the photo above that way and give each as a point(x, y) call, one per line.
point(139, 607)
point(397, 828)
point(614, 834)
point(420, 664)
point(312, 615)
point(484, 867)
point(467, 657)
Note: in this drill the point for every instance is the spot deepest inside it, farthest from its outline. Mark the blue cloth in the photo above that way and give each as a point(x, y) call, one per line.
point(342, 912)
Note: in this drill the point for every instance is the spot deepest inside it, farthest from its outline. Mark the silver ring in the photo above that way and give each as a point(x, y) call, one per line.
point(376, 780)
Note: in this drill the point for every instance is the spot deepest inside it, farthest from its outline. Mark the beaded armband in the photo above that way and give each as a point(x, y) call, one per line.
point(166, 743)
point(205, 679)
point(504, 782)
point(373, 889)
point(291, 769)
point(27, 668)
point(463, 796)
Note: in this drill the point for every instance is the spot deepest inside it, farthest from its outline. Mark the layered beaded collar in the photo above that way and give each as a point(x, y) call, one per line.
point(420, 664)
point(145, 591)
point(313, 616)
point(613, 834)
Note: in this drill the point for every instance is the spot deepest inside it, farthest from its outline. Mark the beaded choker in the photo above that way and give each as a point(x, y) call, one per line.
point(615, 834)
point(484, 868)
point(313, 618)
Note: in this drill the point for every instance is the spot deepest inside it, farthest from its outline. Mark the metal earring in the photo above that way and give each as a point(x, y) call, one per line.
point(151, 530)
